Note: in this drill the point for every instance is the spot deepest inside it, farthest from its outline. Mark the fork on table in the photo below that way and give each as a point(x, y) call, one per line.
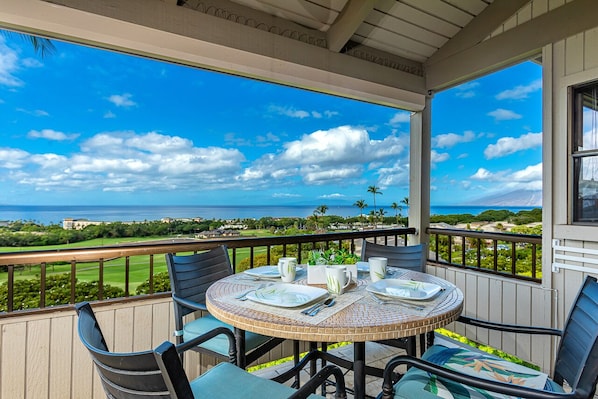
point(383, 301)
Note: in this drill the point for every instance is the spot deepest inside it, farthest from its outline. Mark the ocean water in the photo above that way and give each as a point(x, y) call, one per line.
point(108, 213)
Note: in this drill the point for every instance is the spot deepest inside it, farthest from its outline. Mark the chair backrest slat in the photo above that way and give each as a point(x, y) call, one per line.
point(577, 356)
point(191, 275)
point(410, 257)
point(131, 375)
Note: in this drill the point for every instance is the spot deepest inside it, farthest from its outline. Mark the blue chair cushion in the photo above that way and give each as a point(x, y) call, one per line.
point(422, 385)
point(227, 381)
point(218, 344)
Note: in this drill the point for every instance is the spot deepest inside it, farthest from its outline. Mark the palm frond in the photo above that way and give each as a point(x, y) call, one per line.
point(41, 45)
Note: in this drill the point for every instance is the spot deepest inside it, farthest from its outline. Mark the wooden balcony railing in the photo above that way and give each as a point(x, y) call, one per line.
point(147, 258)
point(460, 248)
point(514, 255)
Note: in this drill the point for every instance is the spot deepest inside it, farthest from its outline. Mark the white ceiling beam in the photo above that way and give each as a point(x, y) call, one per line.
point(478, 29)
point(513, 45)
point(352, 16)
point(155, 29)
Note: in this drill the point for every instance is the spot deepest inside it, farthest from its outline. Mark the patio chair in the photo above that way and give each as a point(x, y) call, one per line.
point(160, 374)
point(576, 363)
point(410, 257)
point(190, 277)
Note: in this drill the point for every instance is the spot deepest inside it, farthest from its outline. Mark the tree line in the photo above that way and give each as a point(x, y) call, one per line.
point(23, 234)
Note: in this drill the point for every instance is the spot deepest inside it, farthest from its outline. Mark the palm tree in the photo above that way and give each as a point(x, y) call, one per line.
point(374, 190)
point(381, 213)
point(361, 205)
point(398, 208)
point(320, 210)
point(405, 201)
point(372, 217)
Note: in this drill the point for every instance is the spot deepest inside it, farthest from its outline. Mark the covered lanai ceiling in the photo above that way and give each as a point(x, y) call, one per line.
point(388, 51)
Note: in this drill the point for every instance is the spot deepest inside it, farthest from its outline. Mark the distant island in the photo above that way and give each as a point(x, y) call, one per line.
point(514, 198)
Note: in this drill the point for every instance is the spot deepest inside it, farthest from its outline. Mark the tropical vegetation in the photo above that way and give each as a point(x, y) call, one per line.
point(21, 235)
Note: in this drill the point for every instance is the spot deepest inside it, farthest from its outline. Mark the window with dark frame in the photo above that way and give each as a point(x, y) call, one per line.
point(584, 125)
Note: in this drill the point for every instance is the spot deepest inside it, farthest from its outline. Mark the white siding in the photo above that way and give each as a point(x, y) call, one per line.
point(575, 61)
point(41, 356)
point(503, 300)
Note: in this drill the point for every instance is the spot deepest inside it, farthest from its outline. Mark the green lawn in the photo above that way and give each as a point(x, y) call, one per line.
point(98, 242)
point(114, 270)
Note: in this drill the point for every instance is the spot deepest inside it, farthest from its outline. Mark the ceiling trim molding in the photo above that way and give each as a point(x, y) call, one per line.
point(514, 45)
point(158, 30)
point(246, 16)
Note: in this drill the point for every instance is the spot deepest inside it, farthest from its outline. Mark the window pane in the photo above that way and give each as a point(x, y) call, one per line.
point(586, 177)
point(587, 137)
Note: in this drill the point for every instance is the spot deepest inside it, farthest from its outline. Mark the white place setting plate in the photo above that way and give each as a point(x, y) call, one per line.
point(404, 289)
point(266, 271)
point(287, 295)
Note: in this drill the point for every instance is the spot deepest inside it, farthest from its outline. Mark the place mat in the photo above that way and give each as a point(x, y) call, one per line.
point(414, 308)
point(251, 280)
point(356, 293)
point(406, 306)
point(341, 302)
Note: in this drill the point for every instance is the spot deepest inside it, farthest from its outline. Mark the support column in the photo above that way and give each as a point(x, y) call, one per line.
point(419, 172)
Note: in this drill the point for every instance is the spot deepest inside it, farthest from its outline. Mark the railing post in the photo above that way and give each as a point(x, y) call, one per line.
point(127, 275)
point(11, 289)
point(101, 279)
point(42, 285)
point(73, 281)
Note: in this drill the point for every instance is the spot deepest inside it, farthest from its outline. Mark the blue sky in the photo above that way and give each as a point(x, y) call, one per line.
point(86, 126)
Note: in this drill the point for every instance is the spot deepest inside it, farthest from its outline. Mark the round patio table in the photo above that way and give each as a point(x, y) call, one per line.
point(364, 319)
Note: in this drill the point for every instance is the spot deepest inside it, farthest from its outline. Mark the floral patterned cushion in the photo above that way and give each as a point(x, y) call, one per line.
point(419, 384)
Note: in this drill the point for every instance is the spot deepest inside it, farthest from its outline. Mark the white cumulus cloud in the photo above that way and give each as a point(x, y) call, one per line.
point(292, 112)
point(501, 114)
point(520, 92)
point(332, 196)
point(449, 140)
point(9, 66)
point(325, 156)
point(466, 90)
point(125, 162)
point(12, 158)
point(122, 100)
point(400, 117)
point(529, 178)
point(482, 174)
point(509, 145)
point(50, 134)
point(437, 157)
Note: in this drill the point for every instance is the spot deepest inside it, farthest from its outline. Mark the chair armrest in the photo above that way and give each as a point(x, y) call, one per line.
point(494, 386)
point(310, 386)
point(232, 343)
point(189, 304)
point(509, 327)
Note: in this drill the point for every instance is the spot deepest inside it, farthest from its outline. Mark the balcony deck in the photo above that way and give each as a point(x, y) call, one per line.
point(43, 343)
point(377, 355)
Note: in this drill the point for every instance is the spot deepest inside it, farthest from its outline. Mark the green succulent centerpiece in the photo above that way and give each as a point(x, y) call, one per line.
point(317, 261)
point(332, 256)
